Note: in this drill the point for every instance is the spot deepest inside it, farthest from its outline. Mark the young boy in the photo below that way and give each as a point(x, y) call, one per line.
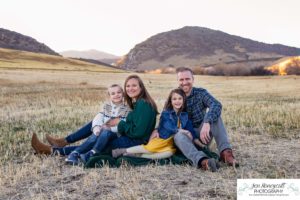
point(102, 133)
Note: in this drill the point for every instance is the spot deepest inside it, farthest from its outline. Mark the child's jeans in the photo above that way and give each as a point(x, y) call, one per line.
point(96, 143)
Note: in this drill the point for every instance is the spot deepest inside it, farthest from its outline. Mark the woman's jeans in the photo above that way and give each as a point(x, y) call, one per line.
point(106, 139)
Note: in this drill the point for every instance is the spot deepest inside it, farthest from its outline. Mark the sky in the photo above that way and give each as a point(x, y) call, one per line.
point(116, 26)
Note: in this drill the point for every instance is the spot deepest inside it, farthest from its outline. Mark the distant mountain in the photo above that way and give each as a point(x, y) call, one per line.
point(198, 46)
point(92, 54)
point(89, 54)
point(13, 40)
point(97, 62)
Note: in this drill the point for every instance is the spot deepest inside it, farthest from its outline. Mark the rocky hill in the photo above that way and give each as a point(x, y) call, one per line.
point(198, 46)
point(13, 40)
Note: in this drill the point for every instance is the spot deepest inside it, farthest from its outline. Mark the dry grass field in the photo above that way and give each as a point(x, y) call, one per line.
point(262, 115)
point(15, 59)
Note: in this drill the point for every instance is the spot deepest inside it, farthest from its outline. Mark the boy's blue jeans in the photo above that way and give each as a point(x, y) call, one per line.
point(97, 143)
point(80, 134)
point(106, 139)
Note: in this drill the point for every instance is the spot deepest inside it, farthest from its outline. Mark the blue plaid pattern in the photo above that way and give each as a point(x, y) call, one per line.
point(197, 104)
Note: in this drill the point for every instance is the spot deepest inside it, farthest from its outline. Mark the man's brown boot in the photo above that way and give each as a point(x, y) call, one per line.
point(39, 147)
point(227, 157)
point(56, 142)
point(209, 164)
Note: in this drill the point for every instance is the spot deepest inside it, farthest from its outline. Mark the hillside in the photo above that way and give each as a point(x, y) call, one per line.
point(13, 40)
point(15, 59)
point(91, 54)
point(197, 46)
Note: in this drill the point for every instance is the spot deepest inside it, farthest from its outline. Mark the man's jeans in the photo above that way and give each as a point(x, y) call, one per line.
point(190, 151)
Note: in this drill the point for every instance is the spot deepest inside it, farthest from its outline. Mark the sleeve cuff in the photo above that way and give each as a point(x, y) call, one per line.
point(120, 126)
point(114, 129)
point(207, 120)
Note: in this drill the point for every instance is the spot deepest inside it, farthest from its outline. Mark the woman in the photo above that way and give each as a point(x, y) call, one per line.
point(174, 118)
point(137, 129)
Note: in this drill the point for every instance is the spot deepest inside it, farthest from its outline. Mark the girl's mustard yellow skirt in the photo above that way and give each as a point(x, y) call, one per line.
point(158, 145)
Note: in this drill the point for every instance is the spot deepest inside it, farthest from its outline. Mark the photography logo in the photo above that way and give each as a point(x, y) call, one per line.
point(268, 189)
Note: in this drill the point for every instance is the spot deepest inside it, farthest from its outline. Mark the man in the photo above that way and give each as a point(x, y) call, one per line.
point(208, 124)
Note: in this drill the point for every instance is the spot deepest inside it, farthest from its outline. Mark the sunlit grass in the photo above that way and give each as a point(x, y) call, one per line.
point(14, 59)
point(261, 114)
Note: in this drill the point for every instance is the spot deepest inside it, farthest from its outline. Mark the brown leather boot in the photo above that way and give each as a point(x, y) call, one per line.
point(209, 164)
point(56, 142)
point(227, 157)
point(39, 147)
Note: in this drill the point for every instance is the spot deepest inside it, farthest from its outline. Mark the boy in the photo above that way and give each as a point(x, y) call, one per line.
point(102, 133)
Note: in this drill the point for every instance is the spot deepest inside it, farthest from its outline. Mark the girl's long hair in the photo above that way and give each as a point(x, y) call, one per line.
point(143, 95)
point(168, 104)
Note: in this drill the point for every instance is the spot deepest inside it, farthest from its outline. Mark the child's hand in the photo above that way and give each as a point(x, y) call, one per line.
point(105, 127)
point(154, 134)
point(113, 122)
point(97, 133)
point(97, 130)
point(187, 133)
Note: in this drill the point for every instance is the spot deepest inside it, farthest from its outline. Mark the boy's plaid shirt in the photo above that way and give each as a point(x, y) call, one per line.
point(198, 102)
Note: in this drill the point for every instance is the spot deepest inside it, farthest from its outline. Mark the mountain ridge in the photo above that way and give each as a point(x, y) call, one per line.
point(17, 41)
point(198, 46)
point(88, 54)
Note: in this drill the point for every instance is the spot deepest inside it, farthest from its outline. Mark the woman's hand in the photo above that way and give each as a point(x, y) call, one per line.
point(154, 134)
point(113, 122)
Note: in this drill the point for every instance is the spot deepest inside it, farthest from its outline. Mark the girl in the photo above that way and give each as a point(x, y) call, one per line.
point(174, 118)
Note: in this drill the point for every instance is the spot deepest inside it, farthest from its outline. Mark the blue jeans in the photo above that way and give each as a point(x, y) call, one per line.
point(125, 142)
point(110, 141)
point(97, 143)
point(80, 134)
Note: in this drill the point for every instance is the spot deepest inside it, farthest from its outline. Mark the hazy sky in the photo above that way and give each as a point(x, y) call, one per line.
point(116, 26)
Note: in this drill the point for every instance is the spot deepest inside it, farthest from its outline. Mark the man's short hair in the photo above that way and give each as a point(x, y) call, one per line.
point(183, 69)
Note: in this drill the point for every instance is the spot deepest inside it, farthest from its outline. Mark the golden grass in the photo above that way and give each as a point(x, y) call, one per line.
point(262, 116)
point(15, 59)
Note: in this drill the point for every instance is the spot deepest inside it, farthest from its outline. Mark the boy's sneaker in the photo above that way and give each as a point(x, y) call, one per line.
point(85, 157)
point(73, 158)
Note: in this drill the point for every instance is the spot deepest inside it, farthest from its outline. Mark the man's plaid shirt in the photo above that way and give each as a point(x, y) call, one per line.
point(198, 102)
